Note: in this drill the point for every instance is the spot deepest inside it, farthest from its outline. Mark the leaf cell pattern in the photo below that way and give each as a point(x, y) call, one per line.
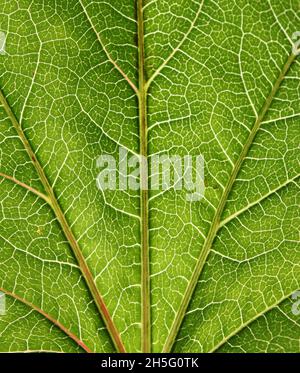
point(87, 270)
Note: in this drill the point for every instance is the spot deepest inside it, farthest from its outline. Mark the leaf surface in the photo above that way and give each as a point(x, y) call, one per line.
point(91, 270)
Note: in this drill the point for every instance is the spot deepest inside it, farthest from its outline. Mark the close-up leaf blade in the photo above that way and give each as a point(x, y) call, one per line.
point(92, 270)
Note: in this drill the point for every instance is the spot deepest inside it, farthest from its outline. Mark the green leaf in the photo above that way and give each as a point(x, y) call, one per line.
point(84, 269)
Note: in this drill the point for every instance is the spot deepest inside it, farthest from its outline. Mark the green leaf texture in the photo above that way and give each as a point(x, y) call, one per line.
point(104, 271)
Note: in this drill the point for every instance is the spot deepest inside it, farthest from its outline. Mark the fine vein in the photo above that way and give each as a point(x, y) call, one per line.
point(48, 317)
point(158, 71)
point(121, 71)
point(257, 202)
point(250, 321)
point(28, 187)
